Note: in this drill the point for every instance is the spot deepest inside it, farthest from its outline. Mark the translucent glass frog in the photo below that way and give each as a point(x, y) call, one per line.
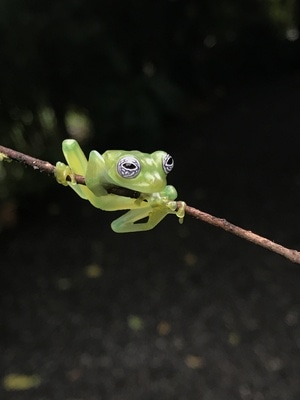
point(139, 172)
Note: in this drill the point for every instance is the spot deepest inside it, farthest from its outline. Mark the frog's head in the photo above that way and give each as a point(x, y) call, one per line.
point(142, 172)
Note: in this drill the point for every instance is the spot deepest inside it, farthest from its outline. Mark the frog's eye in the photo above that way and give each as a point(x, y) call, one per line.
point(168, 163)
point(128, 167)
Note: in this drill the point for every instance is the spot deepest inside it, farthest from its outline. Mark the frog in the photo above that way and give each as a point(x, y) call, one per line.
point(143, 174)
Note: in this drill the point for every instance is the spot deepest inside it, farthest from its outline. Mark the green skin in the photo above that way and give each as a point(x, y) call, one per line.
point(140, 172)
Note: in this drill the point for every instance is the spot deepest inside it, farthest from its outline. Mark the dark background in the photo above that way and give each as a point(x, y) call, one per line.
point(182, 311)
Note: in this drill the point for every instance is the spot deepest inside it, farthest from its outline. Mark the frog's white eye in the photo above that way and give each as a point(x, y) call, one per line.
point(168, 163)
point(128, 167)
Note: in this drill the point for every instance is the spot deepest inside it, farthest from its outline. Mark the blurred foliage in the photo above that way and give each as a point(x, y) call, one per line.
point(124, 73)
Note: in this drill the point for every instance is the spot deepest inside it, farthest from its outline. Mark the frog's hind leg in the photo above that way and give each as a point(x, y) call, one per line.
point(132, 221)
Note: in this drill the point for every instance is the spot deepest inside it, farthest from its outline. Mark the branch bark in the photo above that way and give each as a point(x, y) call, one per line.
point(45, 166)
point(290, 254)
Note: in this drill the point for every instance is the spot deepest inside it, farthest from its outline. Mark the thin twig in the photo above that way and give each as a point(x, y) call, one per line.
point(45, 166)
point(290, 254)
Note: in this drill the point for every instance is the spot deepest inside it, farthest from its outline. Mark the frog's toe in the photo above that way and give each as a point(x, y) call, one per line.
point(180, 210)
point(172, 205)
point(63, 173)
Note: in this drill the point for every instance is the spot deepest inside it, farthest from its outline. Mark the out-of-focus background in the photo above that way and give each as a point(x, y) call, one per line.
point(183, 311)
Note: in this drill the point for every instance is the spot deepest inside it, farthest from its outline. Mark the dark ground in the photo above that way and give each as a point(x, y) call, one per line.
point(181, 312)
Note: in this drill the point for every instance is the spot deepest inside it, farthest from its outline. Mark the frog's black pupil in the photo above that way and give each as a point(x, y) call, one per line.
point(170, 161)
point(129, 166)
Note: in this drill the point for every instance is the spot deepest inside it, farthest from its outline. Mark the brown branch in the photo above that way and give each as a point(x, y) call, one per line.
point(290, 254)
point(45, 166)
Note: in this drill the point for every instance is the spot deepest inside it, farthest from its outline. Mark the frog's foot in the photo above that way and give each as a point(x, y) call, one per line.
point(177, 208)
point(64, 174)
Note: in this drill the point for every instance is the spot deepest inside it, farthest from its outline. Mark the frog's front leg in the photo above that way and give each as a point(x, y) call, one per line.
point(77, 164)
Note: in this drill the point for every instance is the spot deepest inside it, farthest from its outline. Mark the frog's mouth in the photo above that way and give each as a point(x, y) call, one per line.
point(121, 191)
